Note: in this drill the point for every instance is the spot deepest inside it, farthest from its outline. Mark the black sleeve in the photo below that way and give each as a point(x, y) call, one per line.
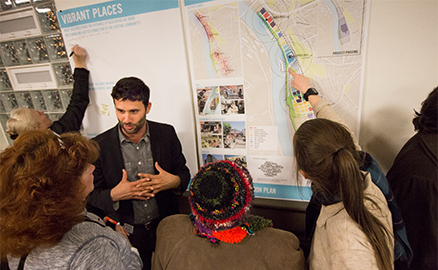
point(72, 118)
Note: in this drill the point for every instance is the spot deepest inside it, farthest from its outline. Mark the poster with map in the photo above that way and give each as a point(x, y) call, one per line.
point(239, 55)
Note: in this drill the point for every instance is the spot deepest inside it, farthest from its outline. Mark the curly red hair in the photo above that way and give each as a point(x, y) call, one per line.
point(41, 194)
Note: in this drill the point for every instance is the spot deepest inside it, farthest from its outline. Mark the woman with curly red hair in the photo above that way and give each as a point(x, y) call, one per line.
point(44, 182)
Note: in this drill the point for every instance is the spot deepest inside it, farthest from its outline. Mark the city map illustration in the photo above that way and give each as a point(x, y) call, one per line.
point(250, 45)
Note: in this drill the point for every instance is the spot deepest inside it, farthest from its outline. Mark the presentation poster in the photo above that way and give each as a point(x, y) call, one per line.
point(135, 38)
point(218, 72)
point(240, 53)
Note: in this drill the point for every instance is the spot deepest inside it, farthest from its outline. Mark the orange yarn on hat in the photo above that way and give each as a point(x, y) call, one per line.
point(231, 236)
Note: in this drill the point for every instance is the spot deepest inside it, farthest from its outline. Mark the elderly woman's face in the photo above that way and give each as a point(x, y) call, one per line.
point(87, 179)
point(42, 118)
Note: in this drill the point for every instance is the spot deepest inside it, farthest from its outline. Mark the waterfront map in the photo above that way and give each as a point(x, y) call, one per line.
point(246, 49)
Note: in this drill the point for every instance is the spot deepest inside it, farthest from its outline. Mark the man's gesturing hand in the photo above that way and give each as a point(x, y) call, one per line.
point(159, 182)
point(126, 190)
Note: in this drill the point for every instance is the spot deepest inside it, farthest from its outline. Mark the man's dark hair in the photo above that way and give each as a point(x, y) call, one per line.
point(131, 88)
point(426, 119)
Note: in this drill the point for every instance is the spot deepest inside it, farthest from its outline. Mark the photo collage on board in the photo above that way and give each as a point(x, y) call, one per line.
point(222, 128)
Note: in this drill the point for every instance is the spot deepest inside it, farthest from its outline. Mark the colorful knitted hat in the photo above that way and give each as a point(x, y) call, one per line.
point(221, 195)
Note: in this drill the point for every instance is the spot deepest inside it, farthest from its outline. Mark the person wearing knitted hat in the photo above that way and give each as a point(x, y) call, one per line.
point(220, 232)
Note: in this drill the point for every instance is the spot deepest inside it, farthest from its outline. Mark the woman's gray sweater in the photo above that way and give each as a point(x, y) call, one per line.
point(88, 245)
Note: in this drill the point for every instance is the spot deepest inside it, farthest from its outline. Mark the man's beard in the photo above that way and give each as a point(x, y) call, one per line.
point(136, 126)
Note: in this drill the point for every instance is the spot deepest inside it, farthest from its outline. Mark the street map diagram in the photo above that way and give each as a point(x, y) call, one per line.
point(253, 44)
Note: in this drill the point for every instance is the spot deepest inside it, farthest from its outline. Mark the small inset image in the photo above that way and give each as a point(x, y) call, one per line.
point(240, 159)
point(207, 158)
point(211, 127)
point(234, 135)
point(233, 107)
point(231, 92)
point(211, 141)
point(208, 100)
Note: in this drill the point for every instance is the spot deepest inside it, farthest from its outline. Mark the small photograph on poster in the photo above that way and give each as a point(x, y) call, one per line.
point(240, 159)
point(234, 134)
point(232, 107)
point(211, 127)
point(231, 92)
point(208, 100)
point(211, 141)
point(207, 158)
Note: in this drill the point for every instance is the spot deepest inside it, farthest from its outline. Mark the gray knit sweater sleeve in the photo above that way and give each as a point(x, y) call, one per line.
point(87, 245)
point(105, 253)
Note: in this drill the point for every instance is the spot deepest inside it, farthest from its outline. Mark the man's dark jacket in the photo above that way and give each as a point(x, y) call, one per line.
point(166, 150)
point(414, 180)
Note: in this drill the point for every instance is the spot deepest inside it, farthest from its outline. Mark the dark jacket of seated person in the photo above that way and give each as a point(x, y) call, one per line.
point(220, 233)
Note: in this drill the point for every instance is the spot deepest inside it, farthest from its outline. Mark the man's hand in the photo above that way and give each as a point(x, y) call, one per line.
point(79, 56)
point(300, 82)
point(162, 181)
point(126, 190)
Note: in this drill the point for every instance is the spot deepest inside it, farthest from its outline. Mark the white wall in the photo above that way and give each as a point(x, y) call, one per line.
point(401, 69)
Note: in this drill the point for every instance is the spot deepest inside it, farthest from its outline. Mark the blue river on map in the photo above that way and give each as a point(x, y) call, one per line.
point(253, 21)
point(335, 26)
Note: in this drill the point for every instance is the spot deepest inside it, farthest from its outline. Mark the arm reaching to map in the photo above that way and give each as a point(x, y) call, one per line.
point(320, 107)
point(302, 84)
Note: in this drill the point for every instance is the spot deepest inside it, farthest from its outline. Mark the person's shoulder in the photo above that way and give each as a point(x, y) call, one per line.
point(340, 231)
point(174, 229)
point(106, 134)
point(175, 220)
point(163, 130)
point(282, 248)
point(279, 236)
point(417, 157)
point(93, 229)
point(153, 124)
point(335, 221)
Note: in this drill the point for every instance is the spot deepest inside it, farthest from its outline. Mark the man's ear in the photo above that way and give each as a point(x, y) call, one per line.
point(148, 108)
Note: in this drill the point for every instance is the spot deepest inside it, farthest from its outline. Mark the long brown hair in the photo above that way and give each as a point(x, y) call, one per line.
point(326, 153)
point(41, 194)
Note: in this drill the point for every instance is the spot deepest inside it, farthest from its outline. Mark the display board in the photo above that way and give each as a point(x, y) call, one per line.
point(240, 53)
point(132, 38)
point(225, 87)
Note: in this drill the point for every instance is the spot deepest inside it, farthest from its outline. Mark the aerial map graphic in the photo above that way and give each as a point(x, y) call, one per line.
point(254, 43)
